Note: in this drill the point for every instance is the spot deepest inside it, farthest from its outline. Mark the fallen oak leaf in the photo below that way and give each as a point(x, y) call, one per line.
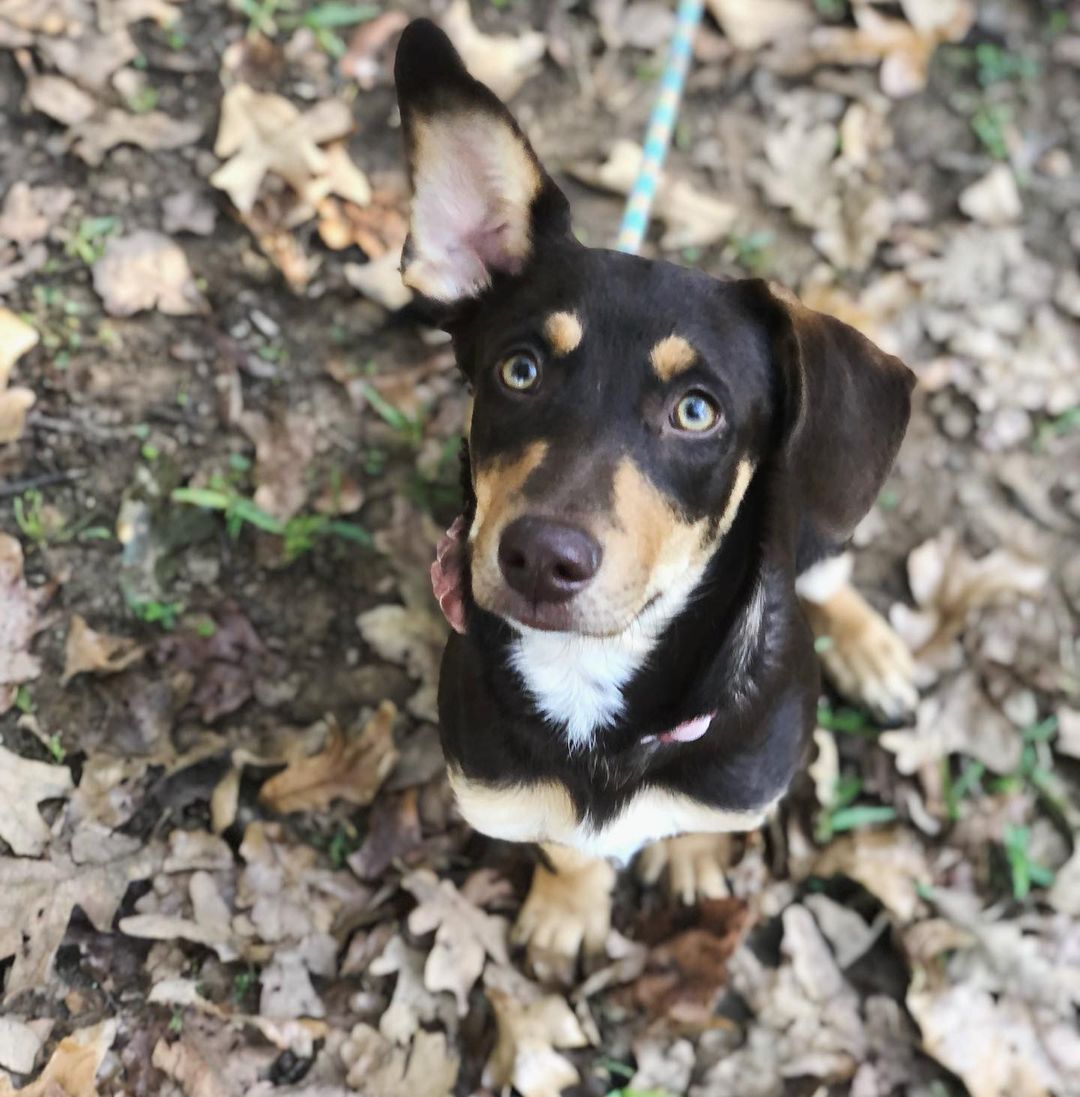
point(342, 770)
point(146, 270)
point(153, 131)
point(427, 1068)
point(16, 338)
point(88, 651)
point(284, 448)
point(20, 620)
point(693, 217)
point(261, 133)
point(949, 586)
point(60, 99)
point(23, 785)
point(19, 1046)
point(751, 26)
point(502, 61)
point(465, 935)
point(528, 1032)
point(73, 1067)
point(30, 212)
point(413, 638)
point(37, 898)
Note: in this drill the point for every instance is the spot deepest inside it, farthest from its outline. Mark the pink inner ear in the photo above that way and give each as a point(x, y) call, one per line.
point(474, 185)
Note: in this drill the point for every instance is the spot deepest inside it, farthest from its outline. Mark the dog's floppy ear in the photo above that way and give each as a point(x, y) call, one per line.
point(846, 405)
point(481, 200)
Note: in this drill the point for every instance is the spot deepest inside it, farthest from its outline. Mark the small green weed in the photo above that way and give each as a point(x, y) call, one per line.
point(88, 241)
point(752, 250)
point(411, 428)
point(990, 124)
point(844, 814)
point(56, 749)
point(1023, 870)
point(323, 20)
point(154, 611)
point(298, 534)
point(848, 721)
point(243, 982)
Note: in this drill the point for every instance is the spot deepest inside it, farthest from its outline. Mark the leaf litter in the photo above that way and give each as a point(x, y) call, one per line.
point(235, 895)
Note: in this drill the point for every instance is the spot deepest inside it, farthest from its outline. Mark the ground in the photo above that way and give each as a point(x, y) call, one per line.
point(229, 863)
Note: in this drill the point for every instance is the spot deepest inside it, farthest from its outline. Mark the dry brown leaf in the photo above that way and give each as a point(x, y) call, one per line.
point(19, 1046)
point(949, 586)
point(210, 922)
point(903, 50)
point(991, 1044)
point(411, 1003)
point(91, 58)
point(413, 638)
point(60, 99)
point(283, 450)
point(465, 935)
point(380, 280)
point(262, 133)
point(20, 621)
point(210, 1060)
point(30, 212)
point(957, 719)
point(146, 270)
point(16, 338)
point(807, 1018)
point(87, 650)
point(426, 1068)
point(891, 864)
point(502, 61)
point(73, 1067)
point(994, 199)
point(527, 1034)
point(37, 897)
point(692, 217)
point(750, 26)
point(153, 131)
point(362, 60)
point(343, 770)
point(23, 785)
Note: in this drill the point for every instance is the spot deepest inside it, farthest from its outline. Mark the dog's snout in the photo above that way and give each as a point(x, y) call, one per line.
point(547, 561)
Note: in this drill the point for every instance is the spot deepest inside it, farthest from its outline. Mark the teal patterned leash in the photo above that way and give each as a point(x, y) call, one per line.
point(661, 125)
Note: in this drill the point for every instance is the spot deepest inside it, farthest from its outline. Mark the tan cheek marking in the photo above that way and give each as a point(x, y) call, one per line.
point(651, 540)
point(563, 331)
point(515, 813)
point(671, 356)
point(498, 492)
point(743, 475)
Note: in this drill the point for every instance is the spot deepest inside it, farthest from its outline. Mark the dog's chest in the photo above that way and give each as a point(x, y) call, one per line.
point(577, 682)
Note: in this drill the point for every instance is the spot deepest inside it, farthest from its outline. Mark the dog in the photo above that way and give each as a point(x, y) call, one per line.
point(663, 470)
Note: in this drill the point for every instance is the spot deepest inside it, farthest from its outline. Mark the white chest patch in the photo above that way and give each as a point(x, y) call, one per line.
point(577, 681)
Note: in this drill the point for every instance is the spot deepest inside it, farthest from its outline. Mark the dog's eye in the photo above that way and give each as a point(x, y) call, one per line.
point(695, 412)
point(519, 372)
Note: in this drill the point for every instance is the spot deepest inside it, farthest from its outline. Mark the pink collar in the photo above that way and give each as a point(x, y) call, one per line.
point(686, 732)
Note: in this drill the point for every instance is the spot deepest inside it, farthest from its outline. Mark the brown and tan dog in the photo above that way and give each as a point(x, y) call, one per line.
point(663, 469)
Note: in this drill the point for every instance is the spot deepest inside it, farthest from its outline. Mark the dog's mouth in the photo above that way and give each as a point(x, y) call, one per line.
point(564, 617)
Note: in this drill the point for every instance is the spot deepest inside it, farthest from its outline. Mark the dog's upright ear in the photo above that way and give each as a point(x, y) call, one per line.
point(846, 405)
point(482, 203)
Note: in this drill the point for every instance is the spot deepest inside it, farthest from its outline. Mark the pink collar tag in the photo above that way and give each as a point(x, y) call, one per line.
point(685, 732)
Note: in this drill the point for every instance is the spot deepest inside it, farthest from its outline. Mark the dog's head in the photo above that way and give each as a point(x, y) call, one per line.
point(622, 407)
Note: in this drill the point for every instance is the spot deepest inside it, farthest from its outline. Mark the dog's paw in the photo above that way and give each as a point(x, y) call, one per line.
point(566, 911)
point(694, 865)
point(863, 657)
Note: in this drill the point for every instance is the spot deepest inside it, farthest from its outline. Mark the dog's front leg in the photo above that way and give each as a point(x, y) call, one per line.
point(568, 909)
point(860, 652)
point(694, 865)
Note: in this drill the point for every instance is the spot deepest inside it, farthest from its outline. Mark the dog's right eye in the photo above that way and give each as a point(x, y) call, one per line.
point(519, 372)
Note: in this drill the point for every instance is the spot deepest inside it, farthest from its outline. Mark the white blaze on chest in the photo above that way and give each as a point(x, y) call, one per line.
point(577, 681)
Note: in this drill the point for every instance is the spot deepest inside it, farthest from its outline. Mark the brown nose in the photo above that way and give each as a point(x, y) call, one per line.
point(547, 561)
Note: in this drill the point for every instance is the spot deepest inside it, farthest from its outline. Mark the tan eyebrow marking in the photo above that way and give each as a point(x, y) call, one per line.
point(671, 356)
point(563, 331)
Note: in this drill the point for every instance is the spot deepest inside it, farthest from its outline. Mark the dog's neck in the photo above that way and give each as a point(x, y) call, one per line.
point(686, 655)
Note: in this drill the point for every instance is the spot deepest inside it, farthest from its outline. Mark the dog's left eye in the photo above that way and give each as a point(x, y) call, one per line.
point(519, 372)
point(695, 412)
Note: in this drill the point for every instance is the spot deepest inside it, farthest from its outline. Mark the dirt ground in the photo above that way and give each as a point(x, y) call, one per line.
point(229, 863)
